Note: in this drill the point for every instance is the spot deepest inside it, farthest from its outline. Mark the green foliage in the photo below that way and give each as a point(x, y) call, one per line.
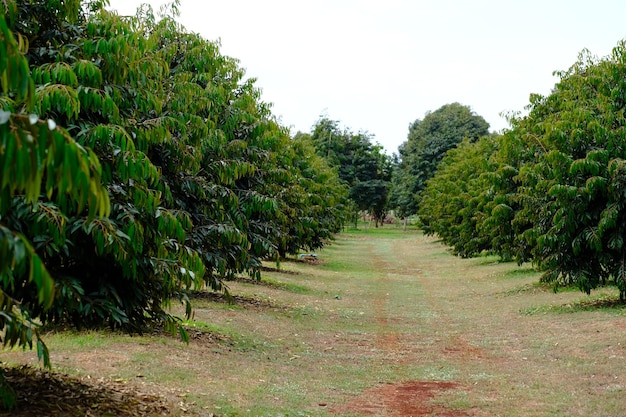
point(118, 270)
point(572, 190)
point(361, 165)
point(427, 143)
point(170, 174)
point(220, 155)
point(200, 181)
point(8, 399)
point(314, 202)
point(38, 161)
point(457, 200)
point(554, 190)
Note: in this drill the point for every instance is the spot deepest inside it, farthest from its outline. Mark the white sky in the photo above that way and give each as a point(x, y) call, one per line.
point(378, 65)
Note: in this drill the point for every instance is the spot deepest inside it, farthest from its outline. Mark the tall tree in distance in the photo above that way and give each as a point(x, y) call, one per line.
point(361, 165)
point(427, 142)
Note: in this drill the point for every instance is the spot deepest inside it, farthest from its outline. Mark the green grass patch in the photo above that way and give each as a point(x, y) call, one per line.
point(487, 260)
point(535, 287)
point(226, 335)
point(522, 272)
point(387, 231)
point(72, 340)
point(286, 286)
point(601, 302)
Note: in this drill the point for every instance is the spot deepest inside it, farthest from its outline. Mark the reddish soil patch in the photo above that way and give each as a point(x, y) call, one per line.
point(464, 350)
point(408, 399)
point(388, 339)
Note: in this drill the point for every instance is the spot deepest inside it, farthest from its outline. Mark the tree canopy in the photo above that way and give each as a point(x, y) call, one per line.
point(570, 153)
point(552, 188)
point(454, 203)
point(137, 163)
point(37, 158)
point(361, 165)
point(427, 142)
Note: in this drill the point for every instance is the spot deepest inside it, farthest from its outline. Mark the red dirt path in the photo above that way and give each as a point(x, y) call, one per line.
point(406, 399)
point(409, 399)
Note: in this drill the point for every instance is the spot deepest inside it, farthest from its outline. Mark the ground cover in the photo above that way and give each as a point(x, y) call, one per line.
point(386, 323)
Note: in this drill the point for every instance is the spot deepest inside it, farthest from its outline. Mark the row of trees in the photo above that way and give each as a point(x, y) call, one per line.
point(379, 183)
point(136, 163)
point(552, 188)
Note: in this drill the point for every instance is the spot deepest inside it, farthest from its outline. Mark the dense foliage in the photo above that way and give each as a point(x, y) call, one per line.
point(553, 191)
point(315, 203)
point(41, 169)
point(454, 204)
point(572, 179)
point(427, 143)
point(361, 165)
point(170, 172)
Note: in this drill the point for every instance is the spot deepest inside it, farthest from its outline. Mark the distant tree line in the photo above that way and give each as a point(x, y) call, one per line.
point(360, 164)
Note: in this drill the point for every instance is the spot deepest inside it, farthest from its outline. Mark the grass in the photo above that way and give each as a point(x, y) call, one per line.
point(287, 286)
point(383, 307)
point(603, 300)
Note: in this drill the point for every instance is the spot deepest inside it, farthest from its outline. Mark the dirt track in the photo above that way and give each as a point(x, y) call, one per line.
point(483, 354)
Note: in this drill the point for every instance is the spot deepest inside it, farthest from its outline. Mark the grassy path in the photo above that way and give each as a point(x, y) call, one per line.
point(388, 324)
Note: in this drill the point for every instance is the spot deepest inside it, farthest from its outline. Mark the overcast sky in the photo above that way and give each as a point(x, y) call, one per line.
point(378, 65)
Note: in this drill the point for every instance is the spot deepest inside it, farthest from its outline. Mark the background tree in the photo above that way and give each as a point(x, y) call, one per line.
point(427, 142)
point(401, 200)
point(363, 166)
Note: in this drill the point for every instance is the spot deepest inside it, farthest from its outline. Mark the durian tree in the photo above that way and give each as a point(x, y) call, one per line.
point(571, 150)
point(200, 179)
point(42, 171)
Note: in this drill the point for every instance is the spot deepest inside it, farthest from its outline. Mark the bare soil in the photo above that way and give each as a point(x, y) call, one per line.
point(406, 399)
